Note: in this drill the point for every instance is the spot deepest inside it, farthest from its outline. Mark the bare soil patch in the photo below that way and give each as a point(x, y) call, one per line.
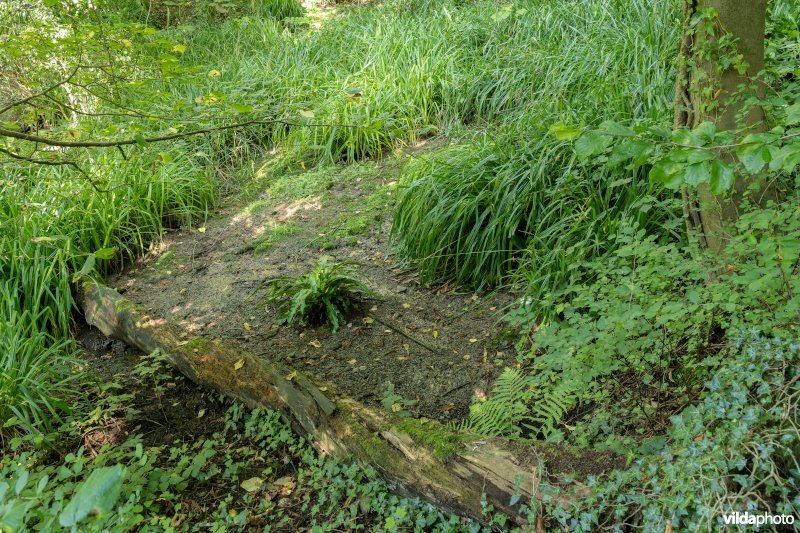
point(438, 347)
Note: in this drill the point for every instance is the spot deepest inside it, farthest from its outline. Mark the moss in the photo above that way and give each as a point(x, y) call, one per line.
point(361, 215)
point(195, 345)
point(271, 236)
point(445, 443)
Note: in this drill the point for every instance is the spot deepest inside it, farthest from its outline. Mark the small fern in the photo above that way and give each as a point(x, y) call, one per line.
point(503, 411)
point(327, 293)
point(548, 410)
point(515, 404)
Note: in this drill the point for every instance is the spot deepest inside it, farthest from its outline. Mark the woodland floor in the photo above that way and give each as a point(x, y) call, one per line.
point(438, 347)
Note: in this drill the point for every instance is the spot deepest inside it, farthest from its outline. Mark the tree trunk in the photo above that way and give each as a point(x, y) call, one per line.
point(745, 21)
point(469, 471)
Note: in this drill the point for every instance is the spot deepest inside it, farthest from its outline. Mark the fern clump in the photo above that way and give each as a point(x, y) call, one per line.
point(327, 293)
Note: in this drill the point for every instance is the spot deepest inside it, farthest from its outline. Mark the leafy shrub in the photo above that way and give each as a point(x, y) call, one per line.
point(735, 449)
point(687, 363)
point(327, 293)
point(649, 324)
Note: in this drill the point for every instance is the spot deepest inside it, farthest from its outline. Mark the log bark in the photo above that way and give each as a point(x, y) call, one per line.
point(490, 470)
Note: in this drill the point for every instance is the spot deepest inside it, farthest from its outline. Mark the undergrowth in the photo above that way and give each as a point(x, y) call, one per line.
point(270, 478)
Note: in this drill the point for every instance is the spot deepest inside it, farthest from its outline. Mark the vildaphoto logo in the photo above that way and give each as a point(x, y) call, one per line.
point(756, 519)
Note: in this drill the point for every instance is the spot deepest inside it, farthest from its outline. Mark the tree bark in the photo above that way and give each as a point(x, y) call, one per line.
point(745, 20)
point(490, 470)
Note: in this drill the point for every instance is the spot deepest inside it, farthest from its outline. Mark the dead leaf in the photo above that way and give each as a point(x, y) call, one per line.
point(406, 306)
point(202, 230)
point(473, 340)
point(239, 364)
point(368, 320)
point(291, 375)
point(252, 484)
point(396, 407)
point(315, 344)
point(201, 413)
point(435, 334)
point(352, 361)
point(247, 326)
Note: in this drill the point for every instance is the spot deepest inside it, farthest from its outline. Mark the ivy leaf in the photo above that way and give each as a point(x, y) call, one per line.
point(698, 173)
point(721, 177)
point(591, 144)
point(563, 132)
point(95, 496)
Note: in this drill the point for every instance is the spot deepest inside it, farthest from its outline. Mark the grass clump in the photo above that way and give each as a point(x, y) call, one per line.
point(273, 234)
point(327, 293)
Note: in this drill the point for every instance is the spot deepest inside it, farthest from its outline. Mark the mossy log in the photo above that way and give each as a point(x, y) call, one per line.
point(470, 471)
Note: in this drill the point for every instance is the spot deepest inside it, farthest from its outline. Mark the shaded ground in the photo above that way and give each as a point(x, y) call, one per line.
point(437, 347)
point(164, 406)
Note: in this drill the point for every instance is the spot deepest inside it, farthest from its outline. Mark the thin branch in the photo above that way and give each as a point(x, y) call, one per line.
point(56, 162)
point(126, 142)
point(43, 93)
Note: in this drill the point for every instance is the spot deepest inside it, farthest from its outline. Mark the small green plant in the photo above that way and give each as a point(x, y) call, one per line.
point(327, 293)
point(395, 403)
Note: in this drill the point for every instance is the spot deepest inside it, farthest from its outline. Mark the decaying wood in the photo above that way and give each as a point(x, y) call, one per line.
point(489, 471)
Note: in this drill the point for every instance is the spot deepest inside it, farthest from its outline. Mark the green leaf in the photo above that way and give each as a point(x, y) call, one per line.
point(563, 132)
point(635, 149)
point(753, 157)
point(721, 177)
point(140, 140)
point(306, 113)
point(668, 173)
point(12, 515)
point(591, 144)
point(686, 138)
point(242, 108)
point(22, 480)
point(95, 496)
point(793, 114)
point(88, 265)
point(105, 253)
point(698, 173)
point(706, 130)
point(616, 129)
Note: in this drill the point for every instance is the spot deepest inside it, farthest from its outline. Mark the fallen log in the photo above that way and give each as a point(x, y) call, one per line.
point(453, 471)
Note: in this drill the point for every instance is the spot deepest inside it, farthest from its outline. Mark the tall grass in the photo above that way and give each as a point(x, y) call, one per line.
point(50, 221)
point(485, 208)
